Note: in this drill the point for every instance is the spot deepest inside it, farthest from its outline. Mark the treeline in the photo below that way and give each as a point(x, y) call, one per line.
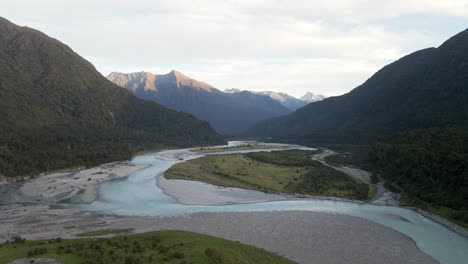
point(33, 151)
point(317, 179)
point(326, 181)
point(57, 110)
point(430, 167)
point(285, 157)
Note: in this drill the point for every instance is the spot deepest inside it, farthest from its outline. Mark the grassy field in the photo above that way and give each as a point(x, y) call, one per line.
point(105, 232)
point(155, 247)
point(235, 148)
point(289, 171)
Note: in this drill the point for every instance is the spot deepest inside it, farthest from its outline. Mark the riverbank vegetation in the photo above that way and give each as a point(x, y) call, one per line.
point(154, 247)
point(350, 155)
point(236, 148)
point(289, 171)
point(103, 232)
point(430, 169)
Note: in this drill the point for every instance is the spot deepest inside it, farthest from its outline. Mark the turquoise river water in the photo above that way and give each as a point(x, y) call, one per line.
point(138, 194)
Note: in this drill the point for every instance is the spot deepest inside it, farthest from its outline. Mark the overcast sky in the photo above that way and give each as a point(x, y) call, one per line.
point(327, 47)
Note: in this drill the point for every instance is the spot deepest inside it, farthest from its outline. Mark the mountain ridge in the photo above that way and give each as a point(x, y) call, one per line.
point(285, 99)
point(311, 97)
point(229, 114)
point(58, 111)
point(427, 88)
point(289, 101)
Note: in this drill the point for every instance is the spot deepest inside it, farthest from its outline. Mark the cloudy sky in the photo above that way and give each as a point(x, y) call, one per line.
point(293, 46)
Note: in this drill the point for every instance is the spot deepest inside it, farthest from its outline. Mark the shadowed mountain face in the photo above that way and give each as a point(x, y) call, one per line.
point(288, 101)
point(56, 110)
point(311, 97)
point(228, 113)
point(428, 88)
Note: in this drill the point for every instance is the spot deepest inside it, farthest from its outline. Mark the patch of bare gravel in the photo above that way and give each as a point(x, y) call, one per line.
point(36, 261)
point(306, 237)
point(77, 186)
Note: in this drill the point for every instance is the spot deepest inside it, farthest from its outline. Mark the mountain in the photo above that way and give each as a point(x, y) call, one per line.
point(285, 99)
point(288, 101)
point(57, 110)
point(228, 113)
point(428, 88)
point(232, 90)
point(311, 97)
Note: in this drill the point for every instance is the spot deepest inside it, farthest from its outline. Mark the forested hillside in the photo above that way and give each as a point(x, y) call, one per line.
point(430, 166)
point(57, 111)
point(425, 93)
point(428, 88)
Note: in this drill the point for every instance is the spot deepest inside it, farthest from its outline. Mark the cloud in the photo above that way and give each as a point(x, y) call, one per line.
point(296, 46)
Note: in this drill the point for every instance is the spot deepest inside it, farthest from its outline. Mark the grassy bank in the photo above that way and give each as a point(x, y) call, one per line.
point(290, 171)
point(154, 247)
point(105, 232)
point(234, 148)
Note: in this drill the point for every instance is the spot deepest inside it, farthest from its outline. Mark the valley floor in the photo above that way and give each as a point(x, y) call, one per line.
point(79, 186)
point(305, 237)
point(151, 247)
point(382, 196)
point(289, 171)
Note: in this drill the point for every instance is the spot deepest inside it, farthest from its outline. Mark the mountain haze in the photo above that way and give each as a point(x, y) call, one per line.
point(228, 113)
point(285, 99)
point(288, 101)
point(428, 88)
point(232, 90)
point(311, 97)
point(57, 110)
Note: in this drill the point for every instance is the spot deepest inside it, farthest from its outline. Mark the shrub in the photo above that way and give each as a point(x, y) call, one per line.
point(374, 179)
point(209, 252)
point(163, 249)
point(37, 251)
point(16, 239)
point(178, 255)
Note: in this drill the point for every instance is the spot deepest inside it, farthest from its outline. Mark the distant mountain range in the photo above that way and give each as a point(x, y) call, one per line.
point(228, 113)
point(286, 100)
point(311, 97)
point(57, 110)
point(428, 88)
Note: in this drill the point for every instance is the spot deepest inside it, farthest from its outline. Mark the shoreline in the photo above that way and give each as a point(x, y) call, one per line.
point(298, 235)
point(442, 221)
point(385, 197)
point(91, 193)
point(32, 219)
point(382, 198)
point(80, 186)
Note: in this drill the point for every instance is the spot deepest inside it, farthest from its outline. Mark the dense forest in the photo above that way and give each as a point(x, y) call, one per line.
point(430, 167)
point(57, 110)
